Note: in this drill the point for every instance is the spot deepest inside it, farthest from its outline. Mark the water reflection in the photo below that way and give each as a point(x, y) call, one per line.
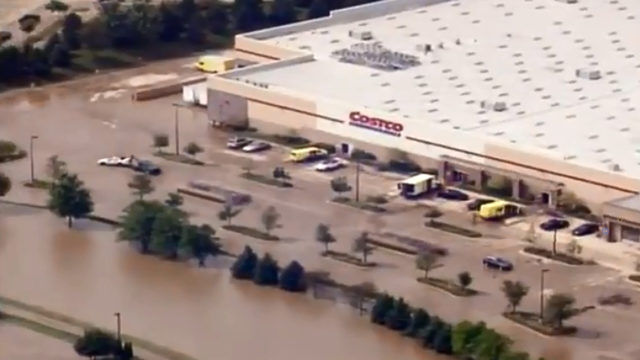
point(198, 311)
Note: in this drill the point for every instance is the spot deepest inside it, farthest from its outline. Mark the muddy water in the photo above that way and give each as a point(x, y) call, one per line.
point(85, 273)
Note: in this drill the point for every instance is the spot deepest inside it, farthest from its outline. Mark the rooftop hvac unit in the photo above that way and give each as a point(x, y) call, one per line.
point(615, 167)
point(589, 74)
point(495, 106)
point(568, 1)
point(361, 35)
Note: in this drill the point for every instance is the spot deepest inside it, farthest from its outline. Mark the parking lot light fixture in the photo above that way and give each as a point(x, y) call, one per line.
point(177, 105)
point(542, 272)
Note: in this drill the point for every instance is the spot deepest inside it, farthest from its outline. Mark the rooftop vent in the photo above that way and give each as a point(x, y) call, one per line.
point(614, 167)
point(497, 106)
point(424, 48)
point(361, 35)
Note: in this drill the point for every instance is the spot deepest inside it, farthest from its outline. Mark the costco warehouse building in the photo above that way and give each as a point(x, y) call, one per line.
point(540, 91)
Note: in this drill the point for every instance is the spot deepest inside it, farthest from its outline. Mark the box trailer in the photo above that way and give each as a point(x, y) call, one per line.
point(416, 185)
point(195, 94)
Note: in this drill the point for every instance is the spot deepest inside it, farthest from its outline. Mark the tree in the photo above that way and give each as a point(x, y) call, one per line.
point(60, 56)
point(558, 308)
point(29, 22)
point(52, 41)
point(127, 351)
point(199, 242)
point(141, 185)
point(95, 343)
point(245, 265)
point(427, 335)
point(509, 355)
point(361, 245)
point(174, 200)
point(71, 31)
point(56, 167)
point(56, 6)
point(69, 198)
point(160, 141)
point(419, 319)
point(167, 233)
point(217, 19)
point(324, 236)
point(490, 345)
point(187, 9)
point(340, 185)
point(318, 8)
point(282, 12)
point(464, 279)
point(11, 63)
point(193, 149)
point(442, 340)
point(195, 29)
point(270, 219)
point(463, 337)
point(399, 317)
point(5, 184)
point(136, 223)
point(249, 14)
point(359, 293)
point(266, 271)
point(228, 212)
point(514, 291)
point(170, 24)
point(427, 261)
point(574, 248)
point(292, 278)
point(383, 304)
point(280, 173)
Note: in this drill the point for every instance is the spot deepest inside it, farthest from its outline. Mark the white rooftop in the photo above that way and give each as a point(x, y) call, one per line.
point(524, 53)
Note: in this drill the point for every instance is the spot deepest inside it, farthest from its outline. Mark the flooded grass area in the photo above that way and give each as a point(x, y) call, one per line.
point(20, 343)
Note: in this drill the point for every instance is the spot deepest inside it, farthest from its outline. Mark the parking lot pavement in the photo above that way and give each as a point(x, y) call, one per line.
point(80, 132)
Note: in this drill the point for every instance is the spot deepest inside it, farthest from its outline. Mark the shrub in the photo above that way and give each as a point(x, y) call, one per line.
point(193, 149)
point(266, 271)
point(383, 304)
point(7, 147)
point(95, 343)
point(377, 199)
point(442, 340)
point(399, 317)
point(419, 319)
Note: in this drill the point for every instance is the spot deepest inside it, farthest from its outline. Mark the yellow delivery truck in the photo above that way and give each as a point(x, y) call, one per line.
point(498, 210)
point(215, 64)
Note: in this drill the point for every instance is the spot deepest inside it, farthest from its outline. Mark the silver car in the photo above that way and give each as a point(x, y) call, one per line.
point(256, 146)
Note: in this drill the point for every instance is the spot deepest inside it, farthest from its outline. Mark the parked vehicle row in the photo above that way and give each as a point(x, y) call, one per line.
point(143, 166)
point(247, 145)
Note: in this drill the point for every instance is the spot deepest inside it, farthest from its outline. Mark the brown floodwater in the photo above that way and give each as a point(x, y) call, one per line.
point(85, 273)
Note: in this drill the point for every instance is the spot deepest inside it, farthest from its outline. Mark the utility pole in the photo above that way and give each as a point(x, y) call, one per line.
point(119, 334)
point(542, 272)
point(33, 137)
point(176, 135)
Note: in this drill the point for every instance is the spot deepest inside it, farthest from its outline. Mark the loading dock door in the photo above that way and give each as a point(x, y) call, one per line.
point(630, 233)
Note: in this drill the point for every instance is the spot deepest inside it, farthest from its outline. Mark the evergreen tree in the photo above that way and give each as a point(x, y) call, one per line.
point(399, 317)
point(71, 31)
point(282, 12)
point(266, 271)
point(428, 334)
point(51, 43)
point(69, 198)
point(442, 341)
point(60, 56)
point(318, 8)
point(383, 304)
point(419, 320)
point(292, 277)
point(245, 265)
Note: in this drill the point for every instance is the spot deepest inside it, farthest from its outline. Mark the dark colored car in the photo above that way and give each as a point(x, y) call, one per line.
point(477, 203)
point(495, 262)
point(554, 224)
point(147, 167)
point(585, 229)
point(452, 194)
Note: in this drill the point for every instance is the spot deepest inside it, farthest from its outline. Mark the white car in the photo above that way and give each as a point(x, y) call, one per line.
point(330, 164)
point(256, 146)
point(116, 161)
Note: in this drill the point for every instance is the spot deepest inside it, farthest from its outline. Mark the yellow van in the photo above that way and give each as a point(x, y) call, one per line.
point(307, 154)
point(215, 64)
point(498, 210)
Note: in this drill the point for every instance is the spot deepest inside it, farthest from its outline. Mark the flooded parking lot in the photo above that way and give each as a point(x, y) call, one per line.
point(200, 312)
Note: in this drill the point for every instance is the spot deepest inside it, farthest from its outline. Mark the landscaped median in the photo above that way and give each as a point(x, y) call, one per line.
point(440, 225)
point(178, 158)
point(358, 204)
point(449, 286)
point(532, 321)
point(266, 180)
point(38, 184)
point(348, 258)
point(558, 256)
point(9, 151)
point(249, 231)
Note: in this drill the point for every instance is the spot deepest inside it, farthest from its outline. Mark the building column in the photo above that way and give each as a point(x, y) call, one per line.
point(516, 189)
point(443, 169)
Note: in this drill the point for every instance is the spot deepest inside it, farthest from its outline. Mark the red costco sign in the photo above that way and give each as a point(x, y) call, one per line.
point(374, 123)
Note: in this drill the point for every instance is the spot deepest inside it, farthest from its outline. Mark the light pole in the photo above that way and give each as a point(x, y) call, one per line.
point(33, 137)
point(119, 334)
point(542, 272)
point(175, 124)
point(357, 181)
